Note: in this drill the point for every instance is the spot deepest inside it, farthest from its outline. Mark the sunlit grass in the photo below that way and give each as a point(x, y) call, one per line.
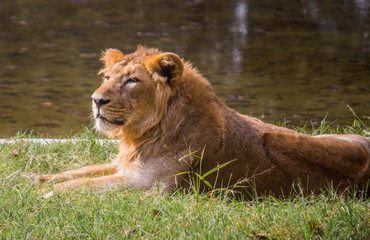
point(132, 214)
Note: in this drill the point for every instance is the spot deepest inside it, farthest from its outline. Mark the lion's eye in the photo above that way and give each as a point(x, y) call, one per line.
point(106, 77)
point(132, 80)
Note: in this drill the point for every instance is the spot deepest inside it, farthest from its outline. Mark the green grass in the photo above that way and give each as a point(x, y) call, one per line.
point(91, 214)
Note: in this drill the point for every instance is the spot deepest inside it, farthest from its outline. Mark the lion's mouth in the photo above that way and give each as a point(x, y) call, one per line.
point(115, 122)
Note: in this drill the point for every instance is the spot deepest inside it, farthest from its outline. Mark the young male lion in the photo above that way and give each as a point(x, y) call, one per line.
point(166, 114)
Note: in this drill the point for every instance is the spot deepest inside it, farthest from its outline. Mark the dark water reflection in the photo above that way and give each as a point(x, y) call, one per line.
point(293, 60)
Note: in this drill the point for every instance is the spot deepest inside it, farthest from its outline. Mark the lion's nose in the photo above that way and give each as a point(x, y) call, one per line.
point(99, 100)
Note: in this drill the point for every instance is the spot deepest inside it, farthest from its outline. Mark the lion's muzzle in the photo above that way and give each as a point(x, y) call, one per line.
point(99, 100)
point(99, 103)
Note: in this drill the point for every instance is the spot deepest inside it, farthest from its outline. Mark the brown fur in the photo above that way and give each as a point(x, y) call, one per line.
point(165, 114)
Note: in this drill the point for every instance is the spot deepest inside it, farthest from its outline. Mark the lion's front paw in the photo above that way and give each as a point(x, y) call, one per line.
point(35, 177)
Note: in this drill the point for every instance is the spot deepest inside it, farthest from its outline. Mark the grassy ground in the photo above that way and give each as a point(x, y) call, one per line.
point(89, 214)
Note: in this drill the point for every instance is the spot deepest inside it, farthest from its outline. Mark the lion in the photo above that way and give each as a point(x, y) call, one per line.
point(170, 122)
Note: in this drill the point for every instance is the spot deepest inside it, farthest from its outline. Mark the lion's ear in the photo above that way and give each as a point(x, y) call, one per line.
point(168, 65)
point(111, 56)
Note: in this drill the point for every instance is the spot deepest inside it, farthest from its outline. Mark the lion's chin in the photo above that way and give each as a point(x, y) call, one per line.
point(107, 127)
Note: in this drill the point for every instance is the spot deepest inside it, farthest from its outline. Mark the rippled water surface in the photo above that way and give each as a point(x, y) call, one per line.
point(279, 60)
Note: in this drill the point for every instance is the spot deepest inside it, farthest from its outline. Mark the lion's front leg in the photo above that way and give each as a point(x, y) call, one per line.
point(103, 182)
point(91, 170)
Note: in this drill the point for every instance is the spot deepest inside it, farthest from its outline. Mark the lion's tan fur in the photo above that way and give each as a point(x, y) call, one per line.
point(165, 114)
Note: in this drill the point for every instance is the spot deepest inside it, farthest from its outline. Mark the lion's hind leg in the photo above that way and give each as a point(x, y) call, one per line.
point(364, 175)
point(329, 158)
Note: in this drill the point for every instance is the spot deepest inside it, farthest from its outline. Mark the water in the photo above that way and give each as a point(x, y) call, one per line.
point(279, 60)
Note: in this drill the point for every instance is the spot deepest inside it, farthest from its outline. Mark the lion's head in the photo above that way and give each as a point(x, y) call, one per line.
point(134, 94)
